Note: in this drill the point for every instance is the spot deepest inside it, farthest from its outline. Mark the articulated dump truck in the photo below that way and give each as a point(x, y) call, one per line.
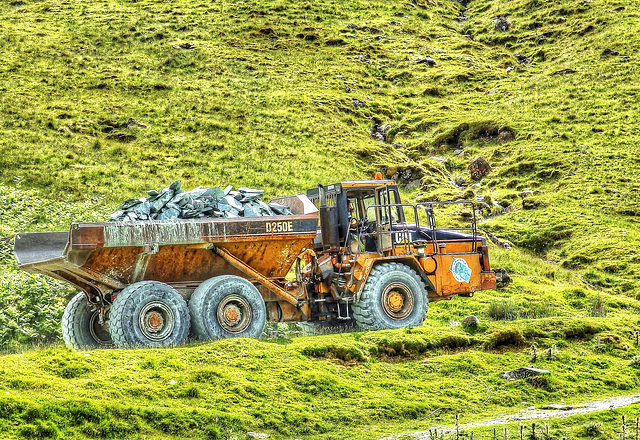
point(351, 255)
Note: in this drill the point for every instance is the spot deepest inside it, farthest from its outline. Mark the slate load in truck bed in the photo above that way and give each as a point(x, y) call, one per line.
point(175, 203)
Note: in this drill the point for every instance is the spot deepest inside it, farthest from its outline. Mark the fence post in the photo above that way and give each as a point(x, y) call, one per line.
point(505, 433)
point(637, 426)
point(624, 428)
point(457, 428)
point(521, 432)
point(533, 430)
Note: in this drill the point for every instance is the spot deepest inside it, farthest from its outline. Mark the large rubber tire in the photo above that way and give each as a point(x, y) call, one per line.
point(149, 314)
point(227, 306)
point(394, 296)
point(80, 327)
point(326, 328)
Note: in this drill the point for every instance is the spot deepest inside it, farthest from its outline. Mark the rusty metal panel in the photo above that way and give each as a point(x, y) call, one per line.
point(459, 273)
point(488, 280)
point(115, 254)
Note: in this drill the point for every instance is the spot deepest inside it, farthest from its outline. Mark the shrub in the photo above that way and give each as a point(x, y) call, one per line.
point(597, 306)
point(502, 310)
point(540, 382)
point(32, 309)
point(507, 337)
point(592, 429)
point(453, 341)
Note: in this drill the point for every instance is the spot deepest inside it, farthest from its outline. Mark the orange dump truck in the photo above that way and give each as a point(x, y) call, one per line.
point(361, 258)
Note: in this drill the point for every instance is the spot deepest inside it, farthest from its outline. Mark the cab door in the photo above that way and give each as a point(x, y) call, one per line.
point(386, 216)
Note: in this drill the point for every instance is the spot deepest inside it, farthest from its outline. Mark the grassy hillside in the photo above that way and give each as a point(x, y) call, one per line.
point(102, 100)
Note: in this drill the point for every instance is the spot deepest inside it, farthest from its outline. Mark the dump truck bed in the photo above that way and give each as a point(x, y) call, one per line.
point(106, 257)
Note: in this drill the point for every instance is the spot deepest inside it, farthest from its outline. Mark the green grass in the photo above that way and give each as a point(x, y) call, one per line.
point(316, 387)
point(266, 99)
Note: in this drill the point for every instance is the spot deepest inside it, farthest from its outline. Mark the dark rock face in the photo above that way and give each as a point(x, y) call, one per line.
point(609, 52)
point(186, 46)
point(427, 61)
point(358, 104)
point(505, 135)
point(501, 24)
point(564, 72)
point(523, 373)
point(403, 175)
point(479, 167)
point(175, 203)
point(502, 277)
point(522, 59)
point(379, 131)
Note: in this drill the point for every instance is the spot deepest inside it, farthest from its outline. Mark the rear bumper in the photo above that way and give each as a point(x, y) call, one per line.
point(488, 280)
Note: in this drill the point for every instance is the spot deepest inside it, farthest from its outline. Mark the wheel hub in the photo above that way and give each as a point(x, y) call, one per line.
point(397, 301)
point(156, 321)
point(99, 332)
point(234, 313)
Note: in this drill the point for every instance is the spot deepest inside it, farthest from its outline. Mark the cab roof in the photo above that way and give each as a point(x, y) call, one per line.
point(367, 183)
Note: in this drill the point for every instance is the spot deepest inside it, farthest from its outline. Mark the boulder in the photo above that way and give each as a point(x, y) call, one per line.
point(502, 277)
point(471, 321)
point(501, 24)
point(523, 373)
point(479, 167)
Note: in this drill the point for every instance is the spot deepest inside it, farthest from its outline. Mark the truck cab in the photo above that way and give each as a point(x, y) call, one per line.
point(365, 228)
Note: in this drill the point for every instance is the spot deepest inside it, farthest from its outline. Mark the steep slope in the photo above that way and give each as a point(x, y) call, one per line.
point(102, 100)
point(283, 96)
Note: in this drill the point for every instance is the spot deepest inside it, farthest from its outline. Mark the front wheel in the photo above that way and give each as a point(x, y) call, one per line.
point(394, 296)
point(149, 314)
point(81, 327)
point(227, 306)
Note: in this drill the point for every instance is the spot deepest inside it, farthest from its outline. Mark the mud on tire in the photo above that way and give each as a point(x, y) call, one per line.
point(394, 296)
point(80, 327)
point(227, 306)
point(149, 314)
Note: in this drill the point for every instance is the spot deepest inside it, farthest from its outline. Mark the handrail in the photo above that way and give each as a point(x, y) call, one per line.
point(405, 227)
point(473, 228)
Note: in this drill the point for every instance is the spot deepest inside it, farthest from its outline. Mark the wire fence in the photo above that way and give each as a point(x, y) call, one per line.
point(623, 430)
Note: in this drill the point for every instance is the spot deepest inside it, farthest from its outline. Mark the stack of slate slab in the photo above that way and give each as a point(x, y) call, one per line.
point(174, 203)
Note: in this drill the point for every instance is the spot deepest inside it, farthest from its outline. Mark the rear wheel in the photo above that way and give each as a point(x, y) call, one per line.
point(149, 314)
point(227, 306)
point(81, 328)
point(394, 296)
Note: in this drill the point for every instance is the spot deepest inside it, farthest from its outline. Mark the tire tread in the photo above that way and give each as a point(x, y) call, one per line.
point(363, 309)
